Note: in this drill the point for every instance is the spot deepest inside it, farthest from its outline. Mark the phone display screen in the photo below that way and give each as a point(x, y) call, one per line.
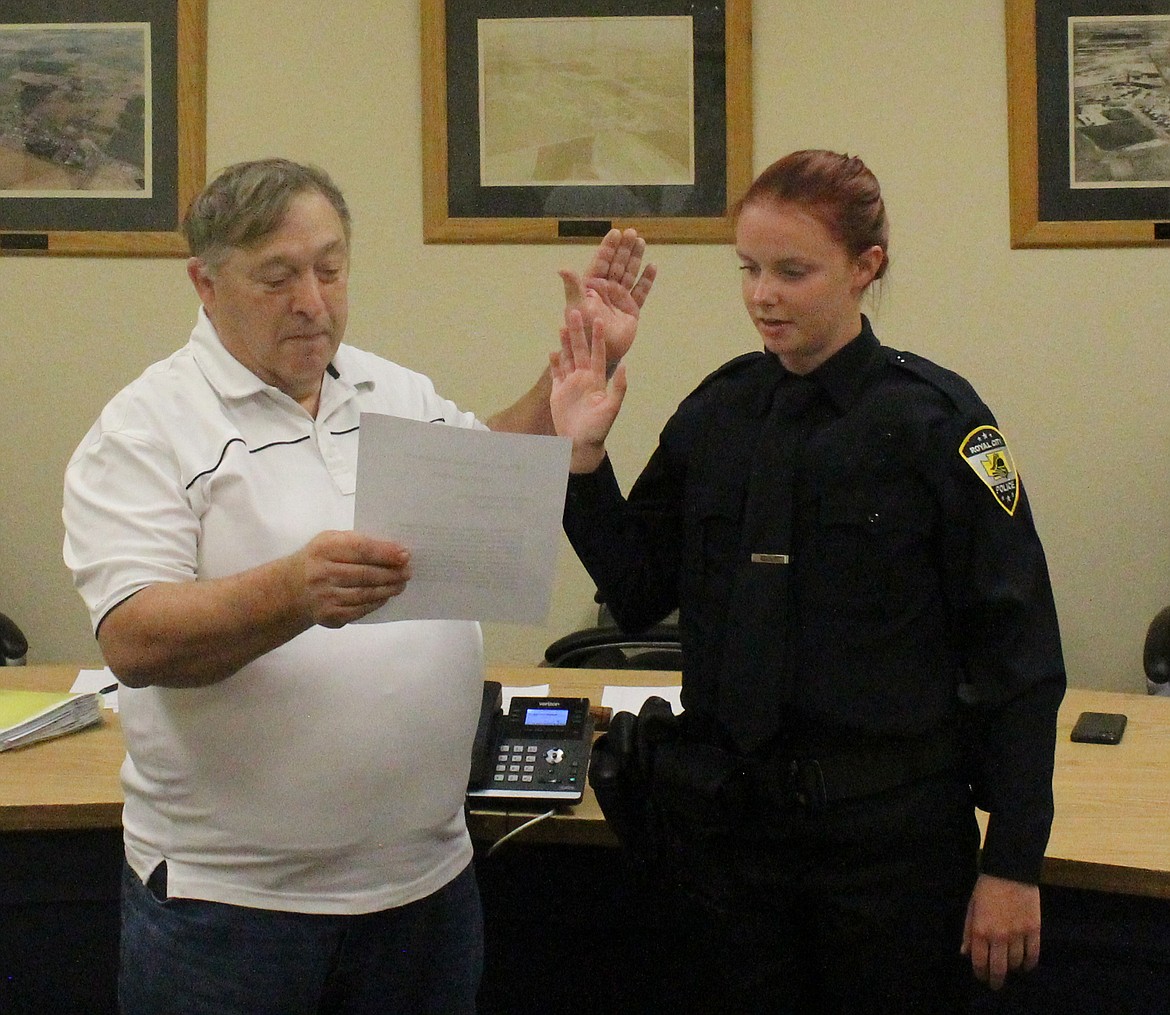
point(546, 717)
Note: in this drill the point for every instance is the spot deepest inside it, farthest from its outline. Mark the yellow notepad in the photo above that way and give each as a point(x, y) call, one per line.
point(29, 716)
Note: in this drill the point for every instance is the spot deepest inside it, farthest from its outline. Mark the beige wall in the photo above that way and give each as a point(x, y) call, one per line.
point(1067, 346)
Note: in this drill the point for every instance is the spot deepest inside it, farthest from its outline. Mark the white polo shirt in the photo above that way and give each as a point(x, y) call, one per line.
point(328, 776)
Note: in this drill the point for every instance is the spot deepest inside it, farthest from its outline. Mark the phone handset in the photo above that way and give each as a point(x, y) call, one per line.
point(491, 712)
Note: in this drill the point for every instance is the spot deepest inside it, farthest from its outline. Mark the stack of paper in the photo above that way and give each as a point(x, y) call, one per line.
point(29, 716)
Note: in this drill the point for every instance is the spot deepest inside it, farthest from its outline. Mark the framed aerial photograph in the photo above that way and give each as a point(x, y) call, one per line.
point(553, 120)
point(102, 124)
point(1089, 122)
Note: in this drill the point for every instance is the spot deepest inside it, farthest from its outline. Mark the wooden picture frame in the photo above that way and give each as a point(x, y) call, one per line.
point(1088, 155)
point(536, 57)
point(108, 166)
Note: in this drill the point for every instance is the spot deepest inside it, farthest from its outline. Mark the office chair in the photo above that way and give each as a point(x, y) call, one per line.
point(606, 647)
point(13, 644)
point(1156, 654)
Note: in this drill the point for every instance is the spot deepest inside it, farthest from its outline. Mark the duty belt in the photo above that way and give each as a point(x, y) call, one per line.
point(814, 782)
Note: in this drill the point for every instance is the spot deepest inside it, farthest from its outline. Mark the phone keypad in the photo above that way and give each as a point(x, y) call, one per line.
point(530, 764)
point(515, 763)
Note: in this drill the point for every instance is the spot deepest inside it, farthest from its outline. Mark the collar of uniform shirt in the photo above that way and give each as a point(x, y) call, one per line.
point(843, 375)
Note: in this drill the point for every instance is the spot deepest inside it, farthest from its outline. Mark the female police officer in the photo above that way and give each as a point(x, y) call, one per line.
point(870, 640)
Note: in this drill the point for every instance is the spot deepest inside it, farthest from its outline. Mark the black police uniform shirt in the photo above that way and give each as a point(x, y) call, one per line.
point(853, 558)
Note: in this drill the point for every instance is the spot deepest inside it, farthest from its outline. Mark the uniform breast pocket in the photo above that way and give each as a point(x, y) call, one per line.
point(872, 547)
point(714, 524)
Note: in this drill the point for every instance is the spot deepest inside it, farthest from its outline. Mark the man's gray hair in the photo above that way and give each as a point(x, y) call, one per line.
point(249, 200)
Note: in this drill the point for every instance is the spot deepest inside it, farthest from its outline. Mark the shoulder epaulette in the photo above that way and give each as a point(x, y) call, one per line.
point(983, 448)
point(958, 389)
point(729, 369)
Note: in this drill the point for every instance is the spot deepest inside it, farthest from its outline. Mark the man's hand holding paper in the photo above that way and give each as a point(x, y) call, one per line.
point(345, 575)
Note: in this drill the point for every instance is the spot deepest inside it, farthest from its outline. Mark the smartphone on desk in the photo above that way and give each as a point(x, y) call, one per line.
point(1098, 728)
point(536, 751)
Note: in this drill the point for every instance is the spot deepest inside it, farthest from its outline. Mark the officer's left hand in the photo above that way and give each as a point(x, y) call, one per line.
point(1002, 932)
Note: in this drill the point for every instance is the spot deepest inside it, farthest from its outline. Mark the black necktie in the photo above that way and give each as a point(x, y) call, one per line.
point(754, 681)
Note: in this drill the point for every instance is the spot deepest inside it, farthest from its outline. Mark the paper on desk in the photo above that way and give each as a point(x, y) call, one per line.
point(480, 512)
point(95, 680)
point(531, 691)
point(631, 699)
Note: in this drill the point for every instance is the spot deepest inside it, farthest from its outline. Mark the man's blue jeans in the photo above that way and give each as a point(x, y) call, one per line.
point(189, 957)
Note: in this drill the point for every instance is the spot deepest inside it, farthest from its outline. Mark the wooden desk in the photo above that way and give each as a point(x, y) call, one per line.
point(1111, 831)
point(67, 783)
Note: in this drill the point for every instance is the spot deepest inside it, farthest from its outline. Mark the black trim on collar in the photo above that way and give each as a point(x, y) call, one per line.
point(333, 372)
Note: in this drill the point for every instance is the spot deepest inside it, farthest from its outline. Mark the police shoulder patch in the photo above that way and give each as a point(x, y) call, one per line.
point(987, 452)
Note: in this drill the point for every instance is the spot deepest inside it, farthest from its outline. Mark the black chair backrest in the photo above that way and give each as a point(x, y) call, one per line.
point(608, 648)
point(13, 644)
point(1156, 653)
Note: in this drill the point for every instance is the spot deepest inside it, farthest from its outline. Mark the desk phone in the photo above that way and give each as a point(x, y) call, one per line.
point(538, 751)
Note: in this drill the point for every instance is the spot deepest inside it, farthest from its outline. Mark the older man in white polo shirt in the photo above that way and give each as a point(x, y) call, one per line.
point(294, 782)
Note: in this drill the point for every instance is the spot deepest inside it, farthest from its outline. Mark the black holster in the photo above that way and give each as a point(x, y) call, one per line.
point(659, 789)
